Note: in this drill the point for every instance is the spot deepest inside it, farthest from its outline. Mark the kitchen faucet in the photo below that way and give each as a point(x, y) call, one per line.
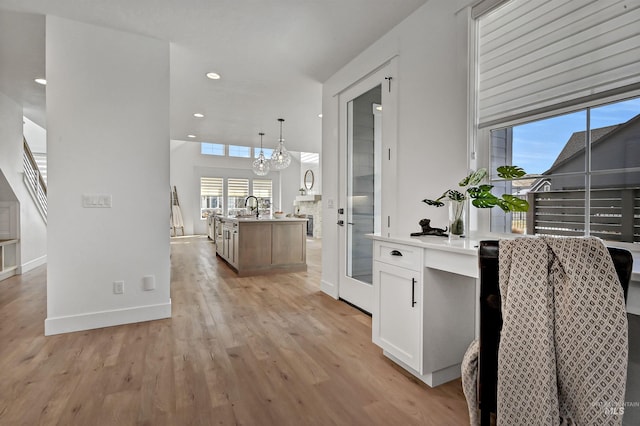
point(246, 201)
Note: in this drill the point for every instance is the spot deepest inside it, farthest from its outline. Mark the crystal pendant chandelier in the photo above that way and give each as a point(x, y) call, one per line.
point(280, 159)
point(261, 164)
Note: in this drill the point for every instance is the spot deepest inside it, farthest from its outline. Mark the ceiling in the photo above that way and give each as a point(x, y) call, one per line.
point(273, 56)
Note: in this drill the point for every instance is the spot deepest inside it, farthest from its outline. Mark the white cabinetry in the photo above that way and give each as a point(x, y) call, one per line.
point(398, 298)
point(424, 306)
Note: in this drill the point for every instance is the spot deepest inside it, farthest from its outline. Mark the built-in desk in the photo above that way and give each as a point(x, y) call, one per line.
point(426, 294)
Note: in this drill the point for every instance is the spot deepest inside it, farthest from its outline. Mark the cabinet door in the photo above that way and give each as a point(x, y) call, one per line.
point(233, 248)
point(225, 244)
point(397, 325)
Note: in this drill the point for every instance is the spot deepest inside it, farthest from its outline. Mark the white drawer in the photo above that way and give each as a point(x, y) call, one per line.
point(398, 254)
point(457, 263)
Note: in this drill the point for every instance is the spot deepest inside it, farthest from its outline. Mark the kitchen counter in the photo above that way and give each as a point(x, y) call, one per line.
point(263, 219)
point(265, 245)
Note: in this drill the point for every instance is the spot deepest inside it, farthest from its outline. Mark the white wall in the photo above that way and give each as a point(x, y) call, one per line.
point(188, 166)
point(432, 50)
point(36, 136)
point(107, 133)
point(317, 176)
point(11, 141)
point(32, 249)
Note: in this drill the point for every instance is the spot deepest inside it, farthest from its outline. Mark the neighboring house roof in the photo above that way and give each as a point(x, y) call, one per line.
point(576, 143)
point(539, 185)
point(522, 186)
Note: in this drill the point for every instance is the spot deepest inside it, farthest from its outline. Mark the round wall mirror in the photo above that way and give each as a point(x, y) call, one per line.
point(309, 179)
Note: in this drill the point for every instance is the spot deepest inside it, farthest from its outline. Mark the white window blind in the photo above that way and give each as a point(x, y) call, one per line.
point(262, 188)
point(211, 187)
point(237, 187)
point(539, 55)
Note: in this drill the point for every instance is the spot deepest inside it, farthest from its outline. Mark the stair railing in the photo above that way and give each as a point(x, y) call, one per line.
point(33, 179)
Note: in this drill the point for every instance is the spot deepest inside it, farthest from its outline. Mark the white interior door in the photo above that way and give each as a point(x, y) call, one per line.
point(362, 118)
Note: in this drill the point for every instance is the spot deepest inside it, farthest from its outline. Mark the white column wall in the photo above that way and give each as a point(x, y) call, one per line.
point(107, 133)
point(432, 80)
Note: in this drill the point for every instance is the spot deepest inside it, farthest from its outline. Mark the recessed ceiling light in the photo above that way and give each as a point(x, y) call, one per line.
point(41, 81)
point(320, 115)
point(198, 115)
point(191, 136)
point(213, 75)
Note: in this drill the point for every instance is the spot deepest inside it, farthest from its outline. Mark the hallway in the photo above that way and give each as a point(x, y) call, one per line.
point(269, 350)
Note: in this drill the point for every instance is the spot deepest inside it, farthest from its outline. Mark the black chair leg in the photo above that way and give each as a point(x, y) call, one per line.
point(485, 418)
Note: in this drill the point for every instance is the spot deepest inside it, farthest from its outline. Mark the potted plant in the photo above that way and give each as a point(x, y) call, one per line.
point(481, 196)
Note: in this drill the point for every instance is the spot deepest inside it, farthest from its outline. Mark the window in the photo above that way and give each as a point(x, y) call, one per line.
point(211, 196)
point(583, 173)
point(554, 95)
point(211, 148)
point(267, 152)
point(310, 158)
point(262, 189)
point(237, 192)
point(239, 151)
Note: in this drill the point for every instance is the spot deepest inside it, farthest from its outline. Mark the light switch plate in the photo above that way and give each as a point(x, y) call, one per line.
point(96, 201)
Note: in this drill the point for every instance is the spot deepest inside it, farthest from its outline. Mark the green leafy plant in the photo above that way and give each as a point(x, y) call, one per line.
point(481, 195)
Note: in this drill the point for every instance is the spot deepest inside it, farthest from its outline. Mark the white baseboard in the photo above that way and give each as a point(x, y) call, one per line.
point(7, 273)
point(329, 288)
point(91, 320)
point(32, 264)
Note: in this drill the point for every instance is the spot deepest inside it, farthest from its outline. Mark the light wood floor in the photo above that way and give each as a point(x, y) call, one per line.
point(268, 350)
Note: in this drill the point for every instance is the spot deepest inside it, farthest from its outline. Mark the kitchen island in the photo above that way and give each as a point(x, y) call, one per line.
point(254, 246)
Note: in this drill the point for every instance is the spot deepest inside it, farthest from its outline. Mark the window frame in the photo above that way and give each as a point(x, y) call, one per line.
point(482, 136)
point(212, 144)
point(230, 149)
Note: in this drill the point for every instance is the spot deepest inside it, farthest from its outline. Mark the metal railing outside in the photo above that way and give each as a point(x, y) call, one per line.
point(614, 213)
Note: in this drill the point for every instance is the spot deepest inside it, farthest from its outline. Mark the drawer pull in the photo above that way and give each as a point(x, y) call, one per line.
point(413, 292)
point(396, 253)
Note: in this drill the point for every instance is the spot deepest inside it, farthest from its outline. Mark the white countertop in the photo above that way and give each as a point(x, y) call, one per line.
point(263, 219)
point(470, 246)
point(460, 245)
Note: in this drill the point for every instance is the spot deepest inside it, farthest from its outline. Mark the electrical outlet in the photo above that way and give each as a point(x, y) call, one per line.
point(148, 282)
point(118, 287)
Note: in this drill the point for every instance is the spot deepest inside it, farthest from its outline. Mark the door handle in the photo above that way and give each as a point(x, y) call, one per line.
point(341, 222)
point(413, 292)
point(396, 253)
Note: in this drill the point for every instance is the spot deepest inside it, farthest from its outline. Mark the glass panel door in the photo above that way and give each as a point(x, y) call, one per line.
point(365, 133)
point(363, 181)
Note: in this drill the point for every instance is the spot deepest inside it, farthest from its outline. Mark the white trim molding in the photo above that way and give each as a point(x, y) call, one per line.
point(32, 264)
point(92, 320)
point(329, 288)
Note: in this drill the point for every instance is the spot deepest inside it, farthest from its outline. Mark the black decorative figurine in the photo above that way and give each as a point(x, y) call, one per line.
point(428, 230)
